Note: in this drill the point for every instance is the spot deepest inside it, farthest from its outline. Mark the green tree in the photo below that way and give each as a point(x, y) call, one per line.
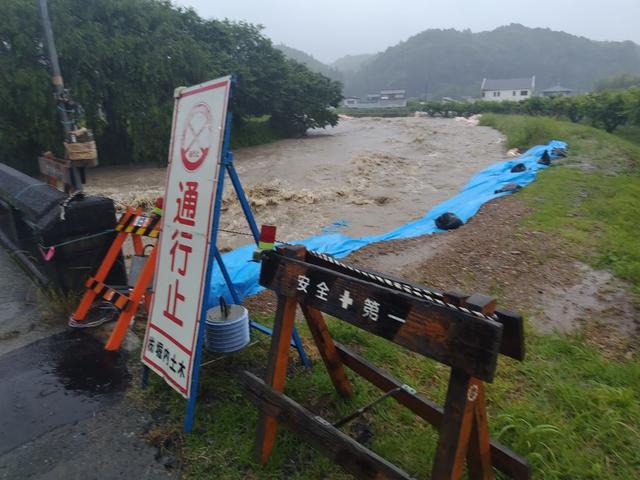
point(633, 105)
point(606, 110)
point(303, 103)
point(122, 60)
point(573, 107)
point(617, 82)
point(453, 63)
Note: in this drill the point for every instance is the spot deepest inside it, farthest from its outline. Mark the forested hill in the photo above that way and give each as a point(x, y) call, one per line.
point(350, 64)
point(453, 63)
point(311, 62)
point(341, 70)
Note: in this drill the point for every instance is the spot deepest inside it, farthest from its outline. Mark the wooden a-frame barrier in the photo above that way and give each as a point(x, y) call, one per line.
point(465, 333)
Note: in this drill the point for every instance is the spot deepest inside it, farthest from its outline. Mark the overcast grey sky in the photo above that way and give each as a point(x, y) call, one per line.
point(329, 29)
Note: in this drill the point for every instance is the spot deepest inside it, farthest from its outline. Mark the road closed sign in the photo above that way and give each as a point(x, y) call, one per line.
point(197, 137)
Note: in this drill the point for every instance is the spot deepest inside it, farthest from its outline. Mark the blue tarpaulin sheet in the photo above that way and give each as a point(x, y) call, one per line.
point(480, 189)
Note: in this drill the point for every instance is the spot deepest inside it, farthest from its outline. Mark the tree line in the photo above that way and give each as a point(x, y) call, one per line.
point(607, 110)
point(122, 59)
point(452, 63)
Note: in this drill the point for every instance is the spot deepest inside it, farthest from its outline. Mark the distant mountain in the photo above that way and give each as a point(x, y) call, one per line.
point(350, 64)
point(453, 63)
point(312, 63)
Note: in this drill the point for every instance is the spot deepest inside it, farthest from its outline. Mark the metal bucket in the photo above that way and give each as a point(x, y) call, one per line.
point(226, 334)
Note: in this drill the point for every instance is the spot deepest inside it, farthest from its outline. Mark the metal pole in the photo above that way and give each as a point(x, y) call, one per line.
point(58, 84)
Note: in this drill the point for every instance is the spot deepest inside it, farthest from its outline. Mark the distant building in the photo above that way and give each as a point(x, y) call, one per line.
point(557, 91)
point(350, 101)
point(393, 98)
point(508, 89)
point(384, 99)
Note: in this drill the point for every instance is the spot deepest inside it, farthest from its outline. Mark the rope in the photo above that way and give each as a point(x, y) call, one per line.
point(235, 232)
point(33, 185)
point(79, 239)
point(428, 295)
point(65, 203)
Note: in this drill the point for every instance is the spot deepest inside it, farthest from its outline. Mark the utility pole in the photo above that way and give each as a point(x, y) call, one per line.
point(58, 85)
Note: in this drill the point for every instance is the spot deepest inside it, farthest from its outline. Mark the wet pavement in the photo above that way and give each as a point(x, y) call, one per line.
point(56, 381)
point(64, 408)
point(20, 319)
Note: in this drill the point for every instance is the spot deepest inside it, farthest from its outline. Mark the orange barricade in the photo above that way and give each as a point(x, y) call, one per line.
point(134, 223)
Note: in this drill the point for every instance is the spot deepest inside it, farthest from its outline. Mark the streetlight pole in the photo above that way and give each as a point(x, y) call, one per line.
point(58, 84)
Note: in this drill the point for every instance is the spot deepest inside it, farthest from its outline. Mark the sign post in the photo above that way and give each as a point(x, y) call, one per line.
point(172, 341)
point(198, 160)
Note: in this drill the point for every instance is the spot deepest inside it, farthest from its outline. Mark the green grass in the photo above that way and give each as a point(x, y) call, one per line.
point(254, 131)
point(571, 411)
point(629, 132)
point(593, 200)
point(588, 146)
point(599, 213)
point(376, 112)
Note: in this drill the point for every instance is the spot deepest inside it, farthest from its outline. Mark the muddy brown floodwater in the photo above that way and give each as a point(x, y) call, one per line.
point(374, 174)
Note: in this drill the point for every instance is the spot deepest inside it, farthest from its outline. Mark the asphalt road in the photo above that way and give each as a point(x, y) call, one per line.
point(64, 409)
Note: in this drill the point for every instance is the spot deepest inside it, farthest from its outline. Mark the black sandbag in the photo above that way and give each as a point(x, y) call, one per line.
point(518, 168)
point(508, 187)
point(560, 152)
point(545, 159)
point(448, 221)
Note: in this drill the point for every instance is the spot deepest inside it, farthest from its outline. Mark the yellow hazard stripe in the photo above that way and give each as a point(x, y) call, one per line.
point(125, 219)
point(127, 224)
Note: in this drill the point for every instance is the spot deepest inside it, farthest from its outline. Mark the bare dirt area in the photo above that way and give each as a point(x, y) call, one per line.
point(528, 270)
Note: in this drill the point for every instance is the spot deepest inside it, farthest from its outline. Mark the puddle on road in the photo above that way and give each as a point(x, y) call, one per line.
point(56, 381)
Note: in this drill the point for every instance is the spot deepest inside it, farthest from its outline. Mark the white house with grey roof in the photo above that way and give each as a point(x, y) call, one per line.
point(508, 89)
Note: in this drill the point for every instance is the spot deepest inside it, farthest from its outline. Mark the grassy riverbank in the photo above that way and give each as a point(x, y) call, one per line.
point(254, 131)
point(570, 409)
point(592, 200)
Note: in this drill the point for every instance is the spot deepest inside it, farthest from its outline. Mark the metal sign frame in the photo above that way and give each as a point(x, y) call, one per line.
point(224, 166)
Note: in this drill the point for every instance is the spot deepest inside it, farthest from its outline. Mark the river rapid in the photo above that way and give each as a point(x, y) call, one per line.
point(362, 177)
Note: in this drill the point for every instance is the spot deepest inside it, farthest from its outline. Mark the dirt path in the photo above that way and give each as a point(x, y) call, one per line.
point(370, 174)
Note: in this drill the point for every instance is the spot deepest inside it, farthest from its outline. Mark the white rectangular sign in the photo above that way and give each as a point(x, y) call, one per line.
point(197, 137)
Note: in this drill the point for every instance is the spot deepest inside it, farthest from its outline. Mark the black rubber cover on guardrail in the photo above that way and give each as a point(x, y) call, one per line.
point(31, 216)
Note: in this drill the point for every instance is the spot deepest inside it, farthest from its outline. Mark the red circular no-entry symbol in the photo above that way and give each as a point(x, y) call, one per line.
point(196, 138)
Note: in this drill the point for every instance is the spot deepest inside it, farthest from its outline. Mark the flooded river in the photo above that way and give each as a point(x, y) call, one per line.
point(363, 177)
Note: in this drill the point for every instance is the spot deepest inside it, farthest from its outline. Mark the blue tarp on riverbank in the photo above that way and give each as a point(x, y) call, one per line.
point(479, 190)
